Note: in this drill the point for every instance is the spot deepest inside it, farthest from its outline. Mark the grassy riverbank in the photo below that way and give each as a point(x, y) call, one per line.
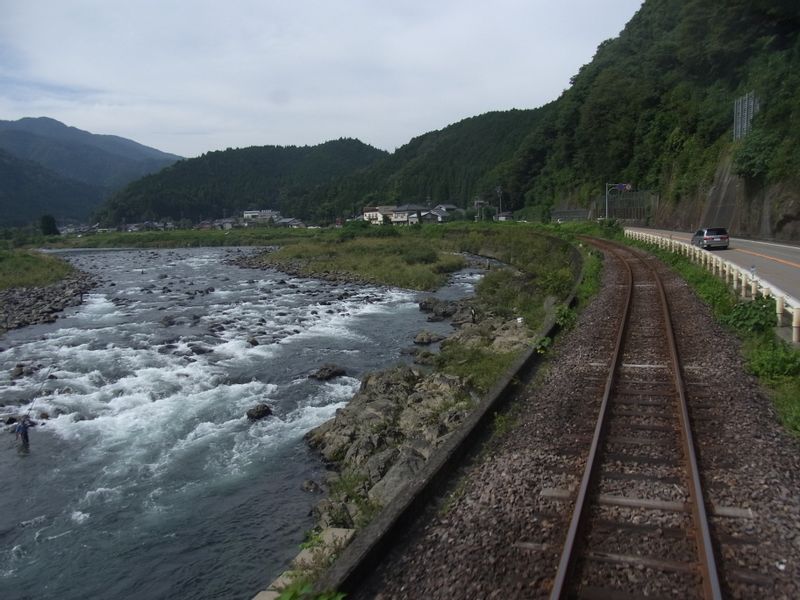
point(24, 268)
point(541, 270)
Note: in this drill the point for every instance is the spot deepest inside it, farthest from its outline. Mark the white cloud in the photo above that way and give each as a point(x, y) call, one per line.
point(188, 77)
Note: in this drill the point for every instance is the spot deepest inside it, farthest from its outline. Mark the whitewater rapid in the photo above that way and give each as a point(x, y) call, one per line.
point(147, 480)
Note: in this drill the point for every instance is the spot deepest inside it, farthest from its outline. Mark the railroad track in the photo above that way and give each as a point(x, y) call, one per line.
point(639, 525)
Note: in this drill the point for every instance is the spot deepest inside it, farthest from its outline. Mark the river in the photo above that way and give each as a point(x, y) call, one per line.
point(147, 480)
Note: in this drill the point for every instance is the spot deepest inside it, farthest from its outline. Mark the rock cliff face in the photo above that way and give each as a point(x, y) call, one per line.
point(746, 209)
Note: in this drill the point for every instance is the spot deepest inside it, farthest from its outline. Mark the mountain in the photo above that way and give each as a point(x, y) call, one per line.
point(335, 179)
point(451, 165)
point(653, 108)
point(105, 161)
point(224, 183)
point(29, 191)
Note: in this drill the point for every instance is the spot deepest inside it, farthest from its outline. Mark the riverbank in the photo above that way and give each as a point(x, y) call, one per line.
point(400, 417)
point(22, 306)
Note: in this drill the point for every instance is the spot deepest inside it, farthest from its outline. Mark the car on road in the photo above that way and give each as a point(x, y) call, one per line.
point(711, 237)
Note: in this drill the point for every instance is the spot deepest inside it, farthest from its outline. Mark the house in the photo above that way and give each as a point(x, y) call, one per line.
point(378, 215)
point(437, 215)
point(408, 214)
point(291, 223)
point(260, 217)
point(225, 224)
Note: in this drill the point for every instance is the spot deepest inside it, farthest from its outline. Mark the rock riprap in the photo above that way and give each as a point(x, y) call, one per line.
point(383, 437)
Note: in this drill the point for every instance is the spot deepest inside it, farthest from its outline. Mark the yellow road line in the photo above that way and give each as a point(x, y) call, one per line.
point(780, 260)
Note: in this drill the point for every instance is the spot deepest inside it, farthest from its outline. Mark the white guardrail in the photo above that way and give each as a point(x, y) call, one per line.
point(743, 282)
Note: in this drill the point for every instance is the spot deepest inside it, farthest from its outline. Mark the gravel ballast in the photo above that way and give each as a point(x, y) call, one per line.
point(500, 531)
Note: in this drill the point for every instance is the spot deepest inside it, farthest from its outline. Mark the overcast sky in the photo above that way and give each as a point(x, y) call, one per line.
point(197, 75)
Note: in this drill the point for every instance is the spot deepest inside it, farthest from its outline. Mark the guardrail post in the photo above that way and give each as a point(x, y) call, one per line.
point(744, 284)
point(754, 288)
point(780, 303)
point(796, 325)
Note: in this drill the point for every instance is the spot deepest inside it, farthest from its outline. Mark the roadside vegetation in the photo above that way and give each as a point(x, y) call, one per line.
point(24, 268)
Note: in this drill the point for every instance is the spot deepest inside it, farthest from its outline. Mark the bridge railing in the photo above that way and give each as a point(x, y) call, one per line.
point(743, 281)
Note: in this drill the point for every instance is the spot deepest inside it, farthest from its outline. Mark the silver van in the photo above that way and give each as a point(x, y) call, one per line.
point(711, 237)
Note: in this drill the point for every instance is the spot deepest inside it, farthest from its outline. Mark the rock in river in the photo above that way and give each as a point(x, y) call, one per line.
point(258, 412)
point(327, 372)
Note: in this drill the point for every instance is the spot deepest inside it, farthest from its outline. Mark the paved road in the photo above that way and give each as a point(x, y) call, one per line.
point(776, 263)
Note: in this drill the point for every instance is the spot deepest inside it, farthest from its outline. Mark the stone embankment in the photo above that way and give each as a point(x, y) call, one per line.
point(400, 416)
point(28, 306)
point(397, 420)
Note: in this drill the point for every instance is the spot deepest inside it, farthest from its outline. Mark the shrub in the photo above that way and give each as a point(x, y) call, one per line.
point(771, 358)
point(754, 316)
point(413, 255)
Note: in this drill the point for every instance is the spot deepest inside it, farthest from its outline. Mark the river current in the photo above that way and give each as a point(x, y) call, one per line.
point(148, 480)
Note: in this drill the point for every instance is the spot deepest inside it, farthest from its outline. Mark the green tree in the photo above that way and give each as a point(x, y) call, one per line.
point(48, 225)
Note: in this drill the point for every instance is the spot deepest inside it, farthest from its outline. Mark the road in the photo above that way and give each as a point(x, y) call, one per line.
point(776, 263)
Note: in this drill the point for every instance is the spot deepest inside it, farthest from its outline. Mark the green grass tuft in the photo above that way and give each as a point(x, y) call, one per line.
point(19, 268)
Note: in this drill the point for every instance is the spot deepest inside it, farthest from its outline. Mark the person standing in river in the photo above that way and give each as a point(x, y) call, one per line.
point(22, 433)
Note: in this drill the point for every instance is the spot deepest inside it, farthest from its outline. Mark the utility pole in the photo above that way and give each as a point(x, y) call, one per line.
point(499, 190)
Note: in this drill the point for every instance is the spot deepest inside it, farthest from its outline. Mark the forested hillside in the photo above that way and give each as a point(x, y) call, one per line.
point(451, 165)
point(224, 183)
point(653, 108)
point(29, 191)
point(655, 105)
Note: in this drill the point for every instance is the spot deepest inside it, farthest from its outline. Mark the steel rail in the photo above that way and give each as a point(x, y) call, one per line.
point(705, 550)
point(706, 563)
point(566, 563)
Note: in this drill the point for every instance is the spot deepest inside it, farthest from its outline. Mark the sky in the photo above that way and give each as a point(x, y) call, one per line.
point(192, 76)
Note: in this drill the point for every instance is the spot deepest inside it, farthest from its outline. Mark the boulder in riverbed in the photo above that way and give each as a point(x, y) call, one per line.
point(425, 337)
point(259, 412)
point(326, 372)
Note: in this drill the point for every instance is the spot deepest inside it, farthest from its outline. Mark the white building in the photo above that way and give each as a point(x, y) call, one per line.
point(260, 216)
point(378, 215)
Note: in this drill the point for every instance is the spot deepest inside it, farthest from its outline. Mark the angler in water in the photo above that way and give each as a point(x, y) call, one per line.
point(22, 433)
